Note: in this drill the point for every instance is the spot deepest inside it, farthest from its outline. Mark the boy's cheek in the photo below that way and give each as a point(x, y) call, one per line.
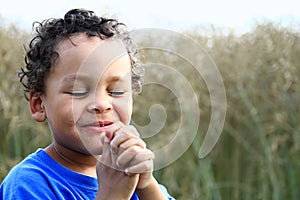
point(77, 110)
point(123, 109)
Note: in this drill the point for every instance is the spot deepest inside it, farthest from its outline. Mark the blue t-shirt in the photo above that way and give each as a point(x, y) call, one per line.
point(40, 177)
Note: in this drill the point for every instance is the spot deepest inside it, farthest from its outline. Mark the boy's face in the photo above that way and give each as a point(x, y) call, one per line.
point(87, 92)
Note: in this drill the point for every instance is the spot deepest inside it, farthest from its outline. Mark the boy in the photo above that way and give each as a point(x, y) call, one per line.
point(80, 74)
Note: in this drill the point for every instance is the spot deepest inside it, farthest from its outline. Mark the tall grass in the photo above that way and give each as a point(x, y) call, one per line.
point(257, 156)
point(19, 134)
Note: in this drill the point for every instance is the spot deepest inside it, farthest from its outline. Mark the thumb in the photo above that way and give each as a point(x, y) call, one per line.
point(108, 136)
point(105, 158)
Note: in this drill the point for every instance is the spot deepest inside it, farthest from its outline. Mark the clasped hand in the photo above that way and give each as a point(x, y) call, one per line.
point(125, 164)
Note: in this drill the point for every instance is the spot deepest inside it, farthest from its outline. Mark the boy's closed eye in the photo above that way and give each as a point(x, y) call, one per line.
point(77, 93)
point(116, 93)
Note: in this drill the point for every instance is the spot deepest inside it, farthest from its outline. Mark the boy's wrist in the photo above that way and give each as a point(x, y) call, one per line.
point(148, 184)
point(150, 191)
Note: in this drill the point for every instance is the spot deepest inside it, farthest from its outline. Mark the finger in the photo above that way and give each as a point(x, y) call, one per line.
point(118, 139)
point(143, 155)
point(127, 155)
point(114, 152)
point(143, 167)
point(119, 136)
point(124, 134)
point(133, 142)
point(129, 129)
point(109, 132)
point(106, 157)
point(133, 156)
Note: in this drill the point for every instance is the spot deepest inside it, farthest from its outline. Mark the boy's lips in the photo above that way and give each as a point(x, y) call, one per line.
point(104, 123)
point(99, 126)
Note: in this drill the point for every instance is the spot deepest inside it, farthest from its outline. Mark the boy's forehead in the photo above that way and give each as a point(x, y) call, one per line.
point(92, 56)
point(90, 50)
point(81, 42)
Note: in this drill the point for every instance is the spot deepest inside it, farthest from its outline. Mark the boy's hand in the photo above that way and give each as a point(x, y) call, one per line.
point(113, 183)
point(125, 164)
point(132, 156)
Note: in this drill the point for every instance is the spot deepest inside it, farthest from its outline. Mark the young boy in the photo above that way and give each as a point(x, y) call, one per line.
point(80, 74)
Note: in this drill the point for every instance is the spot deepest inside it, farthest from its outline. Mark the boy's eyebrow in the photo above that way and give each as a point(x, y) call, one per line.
point(115, 78)
point(72, 78)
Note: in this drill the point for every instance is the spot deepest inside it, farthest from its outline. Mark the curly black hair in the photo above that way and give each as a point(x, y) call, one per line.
point(41, 53)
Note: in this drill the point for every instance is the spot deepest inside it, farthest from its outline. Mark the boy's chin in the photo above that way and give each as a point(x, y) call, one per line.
point(92, 146)
point(94, 152)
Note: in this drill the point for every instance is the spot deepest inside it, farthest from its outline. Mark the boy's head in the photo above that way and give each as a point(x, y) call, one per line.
point(41, 55)
point(80, 74)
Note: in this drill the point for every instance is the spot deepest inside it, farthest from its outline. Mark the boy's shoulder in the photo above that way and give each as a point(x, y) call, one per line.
point(38, 176)
point(25, 179)
point(28, 167)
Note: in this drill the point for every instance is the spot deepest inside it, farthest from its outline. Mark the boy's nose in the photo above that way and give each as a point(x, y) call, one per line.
point(101, 104)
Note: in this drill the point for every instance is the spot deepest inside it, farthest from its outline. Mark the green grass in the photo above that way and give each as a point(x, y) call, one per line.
point(257, 156)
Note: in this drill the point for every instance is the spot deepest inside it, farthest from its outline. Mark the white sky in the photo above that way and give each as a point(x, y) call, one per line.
point(239, 15)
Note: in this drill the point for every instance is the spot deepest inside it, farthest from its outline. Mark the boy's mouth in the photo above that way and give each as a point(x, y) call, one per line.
point(98, 126)
point(104, 123)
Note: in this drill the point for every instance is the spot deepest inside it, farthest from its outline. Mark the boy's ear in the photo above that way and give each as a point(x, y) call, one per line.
point(37, 107)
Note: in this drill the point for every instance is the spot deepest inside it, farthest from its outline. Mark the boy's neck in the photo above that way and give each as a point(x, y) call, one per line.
point(75, 161)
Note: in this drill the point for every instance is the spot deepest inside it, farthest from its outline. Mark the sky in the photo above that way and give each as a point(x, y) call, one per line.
point(178, 15)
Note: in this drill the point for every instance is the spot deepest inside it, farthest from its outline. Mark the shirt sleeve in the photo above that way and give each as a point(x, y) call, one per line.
point(165, 191)
point(162, 188)
point(12, 189)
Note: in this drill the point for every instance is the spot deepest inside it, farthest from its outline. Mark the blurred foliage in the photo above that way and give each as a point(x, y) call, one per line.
point(257, 156)
point(19, 134)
